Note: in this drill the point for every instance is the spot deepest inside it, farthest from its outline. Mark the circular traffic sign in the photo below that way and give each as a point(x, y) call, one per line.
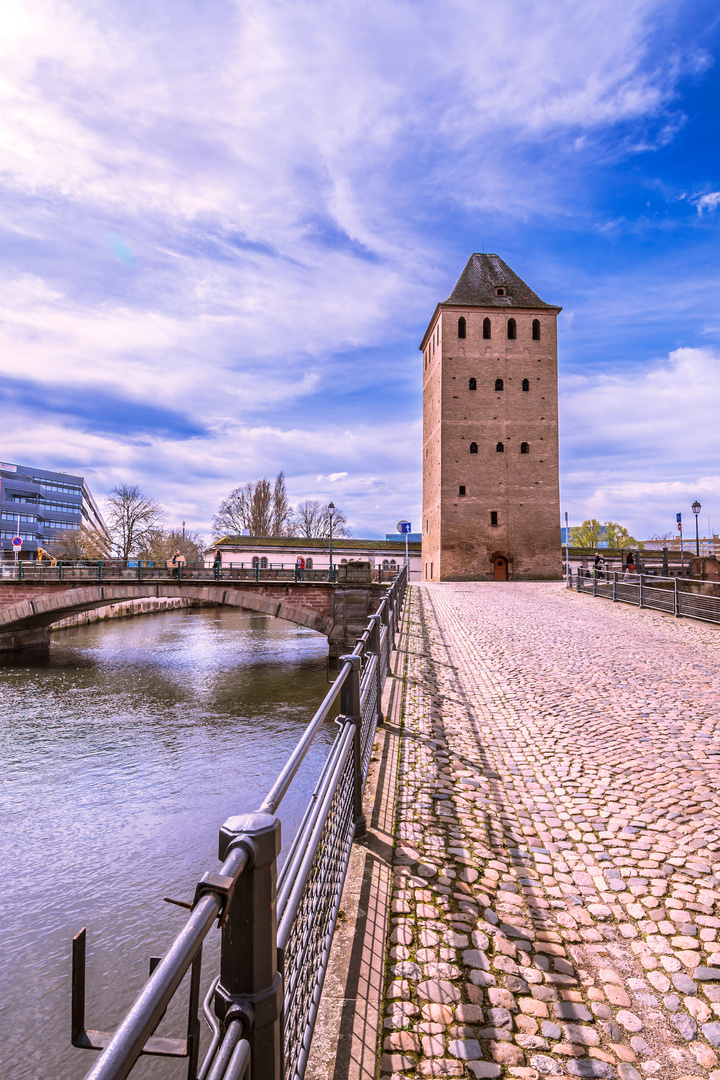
point(400, 526)
point(17, 541)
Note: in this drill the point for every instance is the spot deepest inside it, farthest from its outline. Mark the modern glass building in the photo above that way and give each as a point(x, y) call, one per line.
point(39, 505)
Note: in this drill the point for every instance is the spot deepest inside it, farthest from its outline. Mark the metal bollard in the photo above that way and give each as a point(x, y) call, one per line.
point(640, 594)
point(351, 709)
point(376, 622)
point(578, 579)
point(676, 598)
point(614, 594)
point(251, 987)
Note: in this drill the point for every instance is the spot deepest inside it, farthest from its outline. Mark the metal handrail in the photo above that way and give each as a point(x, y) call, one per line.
point(678, 596)
point(261, 922)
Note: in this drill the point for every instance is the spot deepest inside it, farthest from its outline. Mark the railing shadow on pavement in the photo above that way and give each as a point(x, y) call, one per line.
point(682, 597)
point(276, 931)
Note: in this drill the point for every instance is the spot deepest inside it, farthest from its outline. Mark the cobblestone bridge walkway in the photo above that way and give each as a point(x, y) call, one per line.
point(557, 872)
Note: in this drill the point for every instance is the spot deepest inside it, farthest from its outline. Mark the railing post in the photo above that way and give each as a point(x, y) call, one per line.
point(676, 599)
point(351, 710)
point(251, 987)
point(578, 579)
point(614, 586)
point(640, 594)
point(375, 641)
point(59, 571)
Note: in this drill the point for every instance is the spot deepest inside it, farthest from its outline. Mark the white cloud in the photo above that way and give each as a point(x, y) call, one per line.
point(640, 447)
point(711, 201)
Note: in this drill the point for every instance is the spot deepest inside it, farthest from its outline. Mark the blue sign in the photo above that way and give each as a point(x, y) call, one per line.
point(678, 518)
point(406, 527)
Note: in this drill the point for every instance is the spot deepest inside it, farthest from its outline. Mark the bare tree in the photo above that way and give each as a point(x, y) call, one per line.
point(132, 517)
point(74, 545)
point(258, 506)
point(281, 509)
point(312, 519)
point(159, 545)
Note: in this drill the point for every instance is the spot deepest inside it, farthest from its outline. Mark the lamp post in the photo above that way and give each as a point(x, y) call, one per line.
point(331, 511)
point(696, 508)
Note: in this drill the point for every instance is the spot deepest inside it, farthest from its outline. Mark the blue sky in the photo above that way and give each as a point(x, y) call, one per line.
point(224, 227)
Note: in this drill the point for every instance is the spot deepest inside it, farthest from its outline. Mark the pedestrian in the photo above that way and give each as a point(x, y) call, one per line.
point(629, 565)
point(599, 565)
point(217, 563)
point(177, 561)
point(299, 568)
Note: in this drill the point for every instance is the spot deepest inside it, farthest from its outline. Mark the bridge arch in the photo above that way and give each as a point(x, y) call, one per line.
point(28, 621)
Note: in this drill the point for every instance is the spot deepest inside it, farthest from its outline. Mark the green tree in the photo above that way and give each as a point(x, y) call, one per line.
point(617, 536)
point(587, 535)
point(592, 533)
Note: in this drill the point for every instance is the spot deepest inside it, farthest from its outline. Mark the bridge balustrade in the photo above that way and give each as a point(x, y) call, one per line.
point(117, 570)
point(688, 598)
point(276, 931)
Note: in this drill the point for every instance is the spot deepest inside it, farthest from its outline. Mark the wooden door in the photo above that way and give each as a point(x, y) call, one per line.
point(500, 569)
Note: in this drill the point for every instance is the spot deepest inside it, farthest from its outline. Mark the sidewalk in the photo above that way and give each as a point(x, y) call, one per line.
point(555, 908)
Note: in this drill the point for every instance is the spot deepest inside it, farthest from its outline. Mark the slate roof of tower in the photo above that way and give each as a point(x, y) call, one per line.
point(482, 275)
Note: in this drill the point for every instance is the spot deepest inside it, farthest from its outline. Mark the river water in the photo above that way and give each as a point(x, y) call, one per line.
point(121, 754)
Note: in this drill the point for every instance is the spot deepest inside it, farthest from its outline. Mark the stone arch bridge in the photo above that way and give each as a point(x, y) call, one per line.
point(28, 609)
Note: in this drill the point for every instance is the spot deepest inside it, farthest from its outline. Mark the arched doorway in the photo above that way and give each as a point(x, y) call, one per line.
point(500, 568)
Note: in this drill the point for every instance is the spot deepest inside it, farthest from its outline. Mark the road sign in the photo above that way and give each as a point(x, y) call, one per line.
point(404, 527)
point(17, 541)
point(678, 518)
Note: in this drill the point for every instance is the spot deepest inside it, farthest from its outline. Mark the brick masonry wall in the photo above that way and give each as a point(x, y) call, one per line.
point(523, 489)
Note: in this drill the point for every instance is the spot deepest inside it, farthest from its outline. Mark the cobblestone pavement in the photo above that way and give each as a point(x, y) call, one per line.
point(557, 869)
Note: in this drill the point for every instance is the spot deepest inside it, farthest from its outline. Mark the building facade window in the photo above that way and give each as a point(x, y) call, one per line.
point(308, 564)
point(473, 448)
point(524, 448)
point(500, 448)
point(536, 330)
point(462, 327)
point(493, 517)
point(487, 329)
point(499, 384)
point(472, 385)
point(526, 384)
point(461, 489)
point(255, 562)
point(512, 330)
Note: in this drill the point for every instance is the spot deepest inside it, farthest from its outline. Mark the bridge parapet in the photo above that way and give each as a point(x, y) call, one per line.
point(28, 608)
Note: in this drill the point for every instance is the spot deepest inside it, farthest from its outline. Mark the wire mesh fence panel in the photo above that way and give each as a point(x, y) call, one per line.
point(313, 925)
point(369, 705)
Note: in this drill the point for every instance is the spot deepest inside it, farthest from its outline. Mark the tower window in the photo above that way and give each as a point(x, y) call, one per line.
point(472, 385)
point(536, 330)
point(473, 448)
point(524, 448)
point(499, 385)
point(487, 329)
point(500, 448)
point(461, 489)
point(462, 327)
point(526, 384)
point(493, 517)
point(512, 330)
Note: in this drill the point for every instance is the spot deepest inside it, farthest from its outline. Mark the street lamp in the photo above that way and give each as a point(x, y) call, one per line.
point(331, 511)
point(696, 508)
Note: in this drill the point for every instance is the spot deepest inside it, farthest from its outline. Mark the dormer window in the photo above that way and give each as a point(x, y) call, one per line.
point(500, 290)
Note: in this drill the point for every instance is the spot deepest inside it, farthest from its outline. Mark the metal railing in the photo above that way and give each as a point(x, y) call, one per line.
point(276, 933)
point(117, 569)
point(683, 597)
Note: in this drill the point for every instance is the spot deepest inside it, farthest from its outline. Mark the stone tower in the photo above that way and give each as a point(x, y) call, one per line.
point(491, 500)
